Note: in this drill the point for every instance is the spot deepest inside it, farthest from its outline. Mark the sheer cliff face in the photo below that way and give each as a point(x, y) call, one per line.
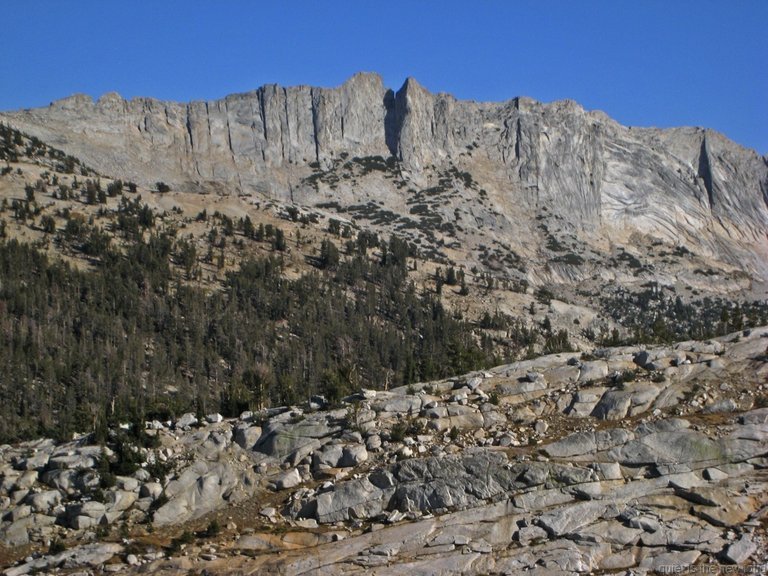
point(237, 143)
point(581, 168)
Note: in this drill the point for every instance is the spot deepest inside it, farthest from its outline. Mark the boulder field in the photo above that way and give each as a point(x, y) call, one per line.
point(625, 460)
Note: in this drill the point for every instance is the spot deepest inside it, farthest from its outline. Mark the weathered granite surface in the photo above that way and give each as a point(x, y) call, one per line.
point(574, 492)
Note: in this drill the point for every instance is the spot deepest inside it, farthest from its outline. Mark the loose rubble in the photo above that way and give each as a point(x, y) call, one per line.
point(628, 459)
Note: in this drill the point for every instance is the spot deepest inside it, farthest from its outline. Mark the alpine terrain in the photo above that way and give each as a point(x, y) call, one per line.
point(363, 331)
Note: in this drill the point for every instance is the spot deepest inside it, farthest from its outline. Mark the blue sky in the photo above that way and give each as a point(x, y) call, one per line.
point(645, 63)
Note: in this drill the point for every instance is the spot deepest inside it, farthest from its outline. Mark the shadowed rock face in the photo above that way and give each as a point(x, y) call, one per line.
point(581, 167)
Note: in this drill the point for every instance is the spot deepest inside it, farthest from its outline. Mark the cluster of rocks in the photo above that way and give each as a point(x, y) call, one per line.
point(50, 491)
point(627, 458)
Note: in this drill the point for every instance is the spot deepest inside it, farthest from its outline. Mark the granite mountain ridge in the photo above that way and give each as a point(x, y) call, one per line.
point(521, 171)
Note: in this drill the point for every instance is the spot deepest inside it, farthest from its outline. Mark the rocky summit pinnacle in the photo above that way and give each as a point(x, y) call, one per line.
point(596, 178)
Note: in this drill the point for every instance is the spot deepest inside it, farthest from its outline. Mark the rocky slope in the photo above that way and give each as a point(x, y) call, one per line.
point(510, 176)
point(625, 459)
point(619, 460)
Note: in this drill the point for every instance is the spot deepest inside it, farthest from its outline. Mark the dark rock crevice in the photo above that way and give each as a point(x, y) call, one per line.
point(315, 125)
point(705, 172)
point(392, 123)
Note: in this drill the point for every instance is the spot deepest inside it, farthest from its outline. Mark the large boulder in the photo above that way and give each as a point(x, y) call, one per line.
point(93, 555)
point(25, 480)
point(289, 479)
point(354, 499)
point(120, 500)
point(35, 455)
point(293, 441)
point(15, 534)
point(406, 405)
point(246, 435)
point(35, 461)
point(209, 442)
point(576, 444)
point(201, 488)
point(740, 551)
point(328, 457)
point(451, 482)
point(44, 502)
point(593, 371)
point(85, 514)
point(151, 490)
point(584, 401)
point(758, 416)
point(63, 480)
point(186, 421)
point(687, 448)
point(79, 458)
point(353, 455)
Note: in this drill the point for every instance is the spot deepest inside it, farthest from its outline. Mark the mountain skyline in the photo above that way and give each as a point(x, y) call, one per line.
point(645, 65)
point(367, 148)
point(351, 287)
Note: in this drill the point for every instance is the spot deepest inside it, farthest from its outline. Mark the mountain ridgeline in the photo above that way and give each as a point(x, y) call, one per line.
point(355, 329)
point(551, 228)
point(595, 179)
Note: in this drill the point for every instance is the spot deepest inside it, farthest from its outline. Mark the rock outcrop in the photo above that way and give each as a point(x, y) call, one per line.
point(542, 477)
point(236, 143)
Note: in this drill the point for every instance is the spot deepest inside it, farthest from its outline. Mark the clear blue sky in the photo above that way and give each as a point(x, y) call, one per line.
point(645, 63)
